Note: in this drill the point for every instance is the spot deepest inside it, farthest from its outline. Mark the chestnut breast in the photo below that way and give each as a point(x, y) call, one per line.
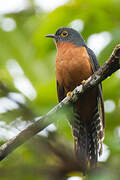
point(72, 65)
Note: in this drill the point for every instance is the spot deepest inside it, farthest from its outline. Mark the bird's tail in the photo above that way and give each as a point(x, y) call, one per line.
point(88, 138)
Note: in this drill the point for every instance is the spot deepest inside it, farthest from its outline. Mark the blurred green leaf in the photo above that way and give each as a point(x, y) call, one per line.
point(35, 54)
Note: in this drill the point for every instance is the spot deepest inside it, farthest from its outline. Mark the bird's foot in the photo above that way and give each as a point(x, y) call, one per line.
point(83, 81)
point(68, 94)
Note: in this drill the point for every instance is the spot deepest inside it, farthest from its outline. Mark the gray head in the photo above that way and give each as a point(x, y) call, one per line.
point(68, 35)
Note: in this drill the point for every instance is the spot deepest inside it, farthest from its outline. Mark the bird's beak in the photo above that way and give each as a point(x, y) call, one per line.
point(51, 36)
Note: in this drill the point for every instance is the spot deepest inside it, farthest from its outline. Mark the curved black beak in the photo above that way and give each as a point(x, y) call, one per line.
point(51, 36)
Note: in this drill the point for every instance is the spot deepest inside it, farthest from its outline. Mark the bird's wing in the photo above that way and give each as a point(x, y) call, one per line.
point(93, 59)
point(60, 92)
point(96, 66)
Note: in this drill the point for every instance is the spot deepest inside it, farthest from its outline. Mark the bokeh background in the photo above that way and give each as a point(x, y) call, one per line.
point(28, 85)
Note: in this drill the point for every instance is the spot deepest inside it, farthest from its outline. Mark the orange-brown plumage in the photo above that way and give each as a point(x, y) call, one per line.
point(72, 67)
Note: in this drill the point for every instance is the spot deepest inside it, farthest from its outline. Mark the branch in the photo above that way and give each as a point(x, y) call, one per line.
point(109, 67)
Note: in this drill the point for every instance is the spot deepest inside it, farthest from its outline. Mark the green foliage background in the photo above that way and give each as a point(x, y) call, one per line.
point(36, 56)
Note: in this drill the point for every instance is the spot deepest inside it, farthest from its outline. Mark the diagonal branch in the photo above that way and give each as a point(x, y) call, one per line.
point(109, 67)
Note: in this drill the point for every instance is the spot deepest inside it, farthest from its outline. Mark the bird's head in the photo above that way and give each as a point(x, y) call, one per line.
point(67, 35)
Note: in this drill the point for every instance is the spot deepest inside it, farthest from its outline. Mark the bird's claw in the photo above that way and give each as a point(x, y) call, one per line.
point(68, 94)
point(83, 81)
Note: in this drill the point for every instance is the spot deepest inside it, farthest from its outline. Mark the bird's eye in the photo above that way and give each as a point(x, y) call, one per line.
point(64, 34)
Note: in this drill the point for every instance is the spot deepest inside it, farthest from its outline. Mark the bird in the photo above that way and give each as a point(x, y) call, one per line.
point(75, 63)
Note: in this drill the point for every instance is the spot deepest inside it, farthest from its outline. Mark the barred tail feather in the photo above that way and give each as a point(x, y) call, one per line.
point(88, 139)
point(80, 139)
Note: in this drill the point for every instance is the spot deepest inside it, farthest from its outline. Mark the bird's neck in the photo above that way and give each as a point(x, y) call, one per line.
point(64, 47)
